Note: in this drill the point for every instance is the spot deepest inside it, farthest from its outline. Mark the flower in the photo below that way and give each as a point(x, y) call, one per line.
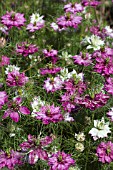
point(80, 136)
point(53, 84)
point(110, 114)
point(4, 61)
point(60, 161)
point(36, 105)
point(36, 22)
point(109, 85)
point(26, 49)
point(15, 78)
point(100, 130)
point(68, 118)
point(73, 8)
point(67, 57)
point(52, 54)
point(105, 152)
point(82, 59)
point(12, 19)
point(14, 108)
point(11, 68)
point(10, 160)
point(94, 42)
point(49, 114)
point(79, 147)
point(35, 148)
point(3, 98)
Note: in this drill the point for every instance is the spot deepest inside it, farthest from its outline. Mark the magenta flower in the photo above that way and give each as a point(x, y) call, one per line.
point(52, 54)
point(12, 19)
point(105, 152)
point(60, 161)
point(25, 49)
point(52, 71)
point(110, 114)
point(49, 114)
point(82, 59)
point(109, 85)
point(4, 61)
point(14, 109)
point(3, 98)
point(34, 27)
point(104, 62)
point(73, 8)
point(93, 102)
point(69, 20)
point(36, 149)
point(53, 84)
point(90, 3)
point(10, 160)
point(15, 78)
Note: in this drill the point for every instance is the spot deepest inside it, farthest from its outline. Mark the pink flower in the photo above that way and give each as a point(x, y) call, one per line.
point(82, 59)
point(25, 49)
point(70, 20)
point(110, 114)
point(73, 8)
point(36, 147)
point(60, 161)
point(52, 54)
point(109, 85)
point(3, 98)
point(90, 3)
point(11, 19)
point(53, 84)
point(4, 61)
point(14, 108)
point(10, 160)
point(15, 78)
point(53, 70)
point(49, 114)
point(105, 152)
point(34, 27)
point(98, 100)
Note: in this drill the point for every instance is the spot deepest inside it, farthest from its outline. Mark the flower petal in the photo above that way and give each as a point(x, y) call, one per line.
point(24, 110)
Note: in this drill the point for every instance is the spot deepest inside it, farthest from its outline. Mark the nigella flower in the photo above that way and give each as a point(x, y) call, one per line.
point(4, 61)
point(69, 20)
point(73, 8)
point(15, 108)
point(49, 114)
point(109, 85)
point(100, 130)
point(82, 59)
point(11, 19)
point(26, 49)
point(15, 78)
point(10, 160)
point(52, 71)
point(110, 114)
point(35, 148)
point(11, 68)
point(53, 84)
point(60, 161)
point(105, 152)
point(90, 3)
point(52, 54)
point(3, 98)
point(104, 62)
point(93, 102)
point(36, 22)
point(4, 29)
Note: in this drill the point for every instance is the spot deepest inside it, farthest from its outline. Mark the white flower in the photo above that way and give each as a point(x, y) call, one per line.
point(11, 68)
point(80, 137)
point(36, 18)
point(100, 130)
point(67, 57)
point(68, 118)
point(94, 42)
point(11, 135)
point(36, 105)
point(64, 74)
point(54, 26)
point(109, 31)
point(74, 75)
point(79, 146)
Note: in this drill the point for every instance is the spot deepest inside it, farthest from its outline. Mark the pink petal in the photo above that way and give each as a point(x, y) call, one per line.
point(24, 110)
point(15, 116)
